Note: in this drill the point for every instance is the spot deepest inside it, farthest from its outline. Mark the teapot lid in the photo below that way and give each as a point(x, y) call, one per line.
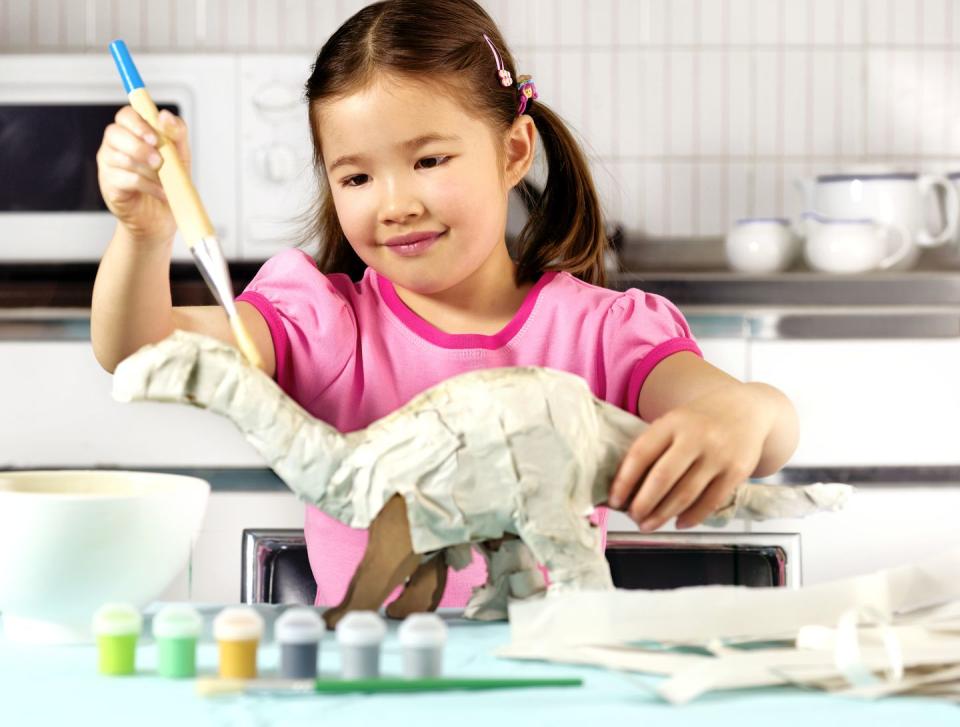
point(838, 220)
point(850, 177)
point(749, 220)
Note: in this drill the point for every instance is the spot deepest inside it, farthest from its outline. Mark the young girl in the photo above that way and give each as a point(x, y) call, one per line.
point(421, 128)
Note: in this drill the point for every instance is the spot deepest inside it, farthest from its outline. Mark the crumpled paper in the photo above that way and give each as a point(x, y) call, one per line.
point(526, 451)
point(895, 631)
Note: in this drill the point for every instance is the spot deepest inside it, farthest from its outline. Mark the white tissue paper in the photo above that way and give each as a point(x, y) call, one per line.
point(894, 631)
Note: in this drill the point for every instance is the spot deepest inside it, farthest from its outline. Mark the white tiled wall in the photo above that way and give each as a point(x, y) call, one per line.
point(695, 112)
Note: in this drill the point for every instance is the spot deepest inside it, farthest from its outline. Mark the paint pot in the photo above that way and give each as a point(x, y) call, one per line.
point(117, 628)
point(238, 630)
point(359, 636)
point(299, 632)
point(176, 629)
point(422, 638)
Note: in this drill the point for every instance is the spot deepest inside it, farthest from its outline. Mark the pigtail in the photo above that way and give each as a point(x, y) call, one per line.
point(565, 228)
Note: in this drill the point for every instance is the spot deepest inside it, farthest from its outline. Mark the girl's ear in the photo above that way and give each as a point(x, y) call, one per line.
point(520, 145)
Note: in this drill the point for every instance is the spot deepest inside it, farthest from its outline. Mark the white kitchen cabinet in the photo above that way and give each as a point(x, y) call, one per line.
point(213, 574)
point(728, 354)
point(57, 411)
point(867, 402)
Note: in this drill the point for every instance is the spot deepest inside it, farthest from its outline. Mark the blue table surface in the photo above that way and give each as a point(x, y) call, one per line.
point(45, 685)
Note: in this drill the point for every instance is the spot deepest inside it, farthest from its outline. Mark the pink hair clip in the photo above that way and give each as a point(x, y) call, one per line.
point(528, 92)
point(505, 78)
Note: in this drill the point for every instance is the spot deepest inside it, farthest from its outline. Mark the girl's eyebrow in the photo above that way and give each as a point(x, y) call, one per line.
point(410, 145)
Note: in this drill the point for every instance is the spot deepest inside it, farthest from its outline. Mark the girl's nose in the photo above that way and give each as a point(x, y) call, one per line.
point(399, 204)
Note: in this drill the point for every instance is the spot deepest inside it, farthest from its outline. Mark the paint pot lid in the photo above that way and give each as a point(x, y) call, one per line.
point(361, 628)
point(237, 623)
point(177, 621)
point(299, 626)
point(117, 619)
point(423, 630)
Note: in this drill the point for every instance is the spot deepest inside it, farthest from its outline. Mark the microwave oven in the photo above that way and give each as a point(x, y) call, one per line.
point(249, 137)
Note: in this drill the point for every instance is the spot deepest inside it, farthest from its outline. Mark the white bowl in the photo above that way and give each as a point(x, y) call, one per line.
point(73, 540)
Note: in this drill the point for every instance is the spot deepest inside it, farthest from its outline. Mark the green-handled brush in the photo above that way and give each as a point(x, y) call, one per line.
point(382, 685)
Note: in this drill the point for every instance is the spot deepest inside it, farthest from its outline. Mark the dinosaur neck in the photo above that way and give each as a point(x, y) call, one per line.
point(617, 430)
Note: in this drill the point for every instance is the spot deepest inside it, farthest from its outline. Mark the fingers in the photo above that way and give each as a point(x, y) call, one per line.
point(714, 496)
point(175, 129)
point(119, 183)
point(127, 164)
point(639, 458)
point(659, 484)
point(681, 496)
point(130, 144)
point(128, 158)
point(130, 120)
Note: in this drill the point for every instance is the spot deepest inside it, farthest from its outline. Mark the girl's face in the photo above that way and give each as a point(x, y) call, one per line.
point(404, 160)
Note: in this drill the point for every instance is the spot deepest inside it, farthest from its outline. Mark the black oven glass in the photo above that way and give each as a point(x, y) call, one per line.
point(48, 156)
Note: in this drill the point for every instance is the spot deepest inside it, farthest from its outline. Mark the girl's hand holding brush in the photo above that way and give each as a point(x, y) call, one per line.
point(127, 162)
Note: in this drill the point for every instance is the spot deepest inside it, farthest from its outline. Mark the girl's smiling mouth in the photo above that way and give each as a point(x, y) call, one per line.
point(412, 243)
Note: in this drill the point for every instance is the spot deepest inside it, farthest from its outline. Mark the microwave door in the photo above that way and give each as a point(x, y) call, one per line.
point(50, 203)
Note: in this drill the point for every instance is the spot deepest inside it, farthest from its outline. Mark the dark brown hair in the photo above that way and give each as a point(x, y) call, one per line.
point(443, 39)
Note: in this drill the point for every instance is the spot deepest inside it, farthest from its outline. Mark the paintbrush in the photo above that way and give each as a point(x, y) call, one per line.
point(185, 204)
point(383, 685)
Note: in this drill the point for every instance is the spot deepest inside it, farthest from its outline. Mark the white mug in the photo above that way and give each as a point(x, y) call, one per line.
point(853, 245)
point(896, 198)
point(760, 245)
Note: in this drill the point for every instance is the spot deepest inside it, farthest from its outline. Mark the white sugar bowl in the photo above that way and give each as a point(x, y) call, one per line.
point(761, 245)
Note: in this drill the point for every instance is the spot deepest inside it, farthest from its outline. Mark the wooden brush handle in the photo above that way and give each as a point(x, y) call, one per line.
point(188, 210)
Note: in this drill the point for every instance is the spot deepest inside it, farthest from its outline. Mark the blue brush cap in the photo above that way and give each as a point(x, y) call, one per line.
point(128, 70)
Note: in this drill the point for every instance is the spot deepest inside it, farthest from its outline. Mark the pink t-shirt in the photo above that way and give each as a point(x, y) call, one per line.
point(350, 353)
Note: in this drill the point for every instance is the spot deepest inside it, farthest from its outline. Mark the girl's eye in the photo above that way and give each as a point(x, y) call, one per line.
point(354, 181)
point(433, 162)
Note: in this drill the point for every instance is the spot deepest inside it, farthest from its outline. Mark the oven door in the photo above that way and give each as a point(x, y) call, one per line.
point(53, 112)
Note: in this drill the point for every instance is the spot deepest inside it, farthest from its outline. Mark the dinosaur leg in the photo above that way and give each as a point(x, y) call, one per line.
point(571, 552)
point(387, 562)
point(423, 591)
point(512, 574)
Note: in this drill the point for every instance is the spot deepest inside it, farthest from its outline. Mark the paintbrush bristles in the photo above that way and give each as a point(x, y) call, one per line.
point(217, 686)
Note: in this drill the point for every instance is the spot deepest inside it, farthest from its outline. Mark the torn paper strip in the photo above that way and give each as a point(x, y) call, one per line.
point(701, 614)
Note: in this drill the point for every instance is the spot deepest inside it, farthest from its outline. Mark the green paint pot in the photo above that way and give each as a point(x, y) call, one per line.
point(117, 628)
point(176, 629)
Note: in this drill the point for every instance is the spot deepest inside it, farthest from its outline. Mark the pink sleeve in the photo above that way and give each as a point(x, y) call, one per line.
point(641, 329)
point(311, 321)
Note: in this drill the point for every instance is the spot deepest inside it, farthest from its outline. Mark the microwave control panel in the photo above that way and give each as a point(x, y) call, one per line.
point(277, 182)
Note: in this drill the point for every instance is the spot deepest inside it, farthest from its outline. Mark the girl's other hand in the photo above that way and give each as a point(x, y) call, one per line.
point(127, 165)
point(689, 461)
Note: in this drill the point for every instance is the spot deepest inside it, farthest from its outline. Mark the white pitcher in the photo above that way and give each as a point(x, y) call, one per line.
point(954, 179)
point(853, 245)
point(897, 198)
